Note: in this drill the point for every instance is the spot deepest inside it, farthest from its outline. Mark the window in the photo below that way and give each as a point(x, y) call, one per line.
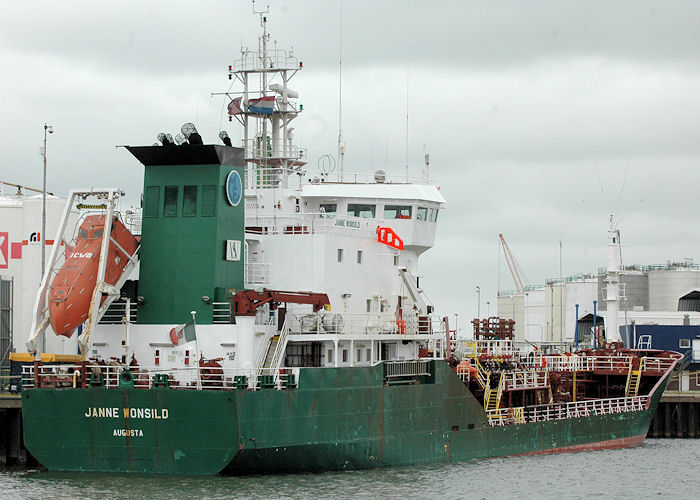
point(208, 201)
point(328, 209)
point(82, 233)
point(151, 201)
point(170, 205)
point(397, 212)
point(340, 255)
point(359, 256)
point(189, 201)
point(433, 215)
point(363, 211)
point(345, 355)
point(422, 213)
point(359, 355)
point(330, 356)
point(368, 355)
point(684, 343)
point(369, 305)
point(396, 260)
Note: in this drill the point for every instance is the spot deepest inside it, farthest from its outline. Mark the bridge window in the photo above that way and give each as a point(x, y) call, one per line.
point(328, 209)
point(422, 213)
point(684, 343)
point(189, 201)
point(361, 210)
point(170, 206)
point(397, 212)
point(433, 215)
point(151, 200)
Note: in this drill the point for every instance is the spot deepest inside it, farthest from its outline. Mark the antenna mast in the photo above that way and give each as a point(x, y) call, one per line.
point(341, 144)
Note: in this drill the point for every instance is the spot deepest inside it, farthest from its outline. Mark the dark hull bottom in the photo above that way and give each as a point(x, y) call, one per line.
point(340, 418)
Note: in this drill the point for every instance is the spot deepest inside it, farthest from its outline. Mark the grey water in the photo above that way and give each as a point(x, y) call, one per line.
point(659, 468)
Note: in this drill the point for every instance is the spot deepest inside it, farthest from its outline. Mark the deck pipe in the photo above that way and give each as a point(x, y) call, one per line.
point(595, 332)
point(576, 331)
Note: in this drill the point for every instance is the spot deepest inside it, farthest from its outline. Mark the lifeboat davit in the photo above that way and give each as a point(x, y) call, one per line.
point(71, 291)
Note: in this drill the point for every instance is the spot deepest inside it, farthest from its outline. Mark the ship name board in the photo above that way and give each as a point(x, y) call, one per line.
point(152, 413)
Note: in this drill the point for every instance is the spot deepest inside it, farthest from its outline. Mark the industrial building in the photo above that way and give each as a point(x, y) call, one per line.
point(665, 294)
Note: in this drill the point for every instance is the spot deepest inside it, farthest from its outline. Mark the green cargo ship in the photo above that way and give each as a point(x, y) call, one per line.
point(191, 357)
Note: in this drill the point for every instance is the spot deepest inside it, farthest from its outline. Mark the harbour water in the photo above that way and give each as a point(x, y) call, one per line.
point(665, 468)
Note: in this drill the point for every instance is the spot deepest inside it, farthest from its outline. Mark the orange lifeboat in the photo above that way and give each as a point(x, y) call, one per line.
point(70, 292)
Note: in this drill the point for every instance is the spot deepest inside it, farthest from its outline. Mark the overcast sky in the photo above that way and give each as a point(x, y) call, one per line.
point(541, 117)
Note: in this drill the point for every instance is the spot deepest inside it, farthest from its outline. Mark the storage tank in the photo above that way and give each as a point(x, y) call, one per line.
point(667, 285)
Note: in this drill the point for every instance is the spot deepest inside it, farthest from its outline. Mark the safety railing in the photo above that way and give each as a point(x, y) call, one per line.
point(256, 273)
point(116, 313)
point(364, 324)
point(271, 59)
point(657, 364)
point(523, 379)
point(312, 223)
point(221, 312)
point(478, 348)
point(280, 349)
point(560, 411)
point(506, 416)
point(270, 328)
point(181, 378)
point(415, 368)
point(575, 362)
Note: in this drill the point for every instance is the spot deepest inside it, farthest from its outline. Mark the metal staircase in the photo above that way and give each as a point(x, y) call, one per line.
point(274, 341)
point(492, 396)
point(634, 375)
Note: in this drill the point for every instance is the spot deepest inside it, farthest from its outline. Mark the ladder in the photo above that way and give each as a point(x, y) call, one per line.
point(492, 397)
point(271, 351)
point(634, 375)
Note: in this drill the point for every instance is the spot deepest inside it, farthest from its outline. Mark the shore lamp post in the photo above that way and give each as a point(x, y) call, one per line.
point(47, 129)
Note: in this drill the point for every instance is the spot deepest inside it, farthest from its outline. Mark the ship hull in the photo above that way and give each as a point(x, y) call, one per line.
point(337, 418)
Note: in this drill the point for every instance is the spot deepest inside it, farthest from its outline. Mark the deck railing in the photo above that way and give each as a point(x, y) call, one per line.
point(413, 368)
point(561, 411)
point(185, 378)
point(364, 324)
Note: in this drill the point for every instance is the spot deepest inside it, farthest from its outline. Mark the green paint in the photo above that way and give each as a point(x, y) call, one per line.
point(337, 418)
point(187, 221)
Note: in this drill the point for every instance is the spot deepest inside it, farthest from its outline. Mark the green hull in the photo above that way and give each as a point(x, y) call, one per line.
point(337, 418)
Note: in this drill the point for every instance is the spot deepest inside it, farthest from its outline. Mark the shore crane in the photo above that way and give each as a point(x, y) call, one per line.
point(515, 270)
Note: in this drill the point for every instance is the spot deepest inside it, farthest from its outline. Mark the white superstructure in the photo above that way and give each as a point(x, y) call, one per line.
point(355, 239)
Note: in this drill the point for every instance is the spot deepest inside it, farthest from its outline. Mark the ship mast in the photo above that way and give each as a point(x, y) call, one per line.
point(612, 331)
point(265, 109)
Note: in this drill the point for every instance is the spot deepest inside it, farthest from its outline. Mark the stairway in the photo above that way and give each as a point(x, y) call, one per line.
point(271, 351)
point(492, 396)
point(633, 383)
point(634, 375)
